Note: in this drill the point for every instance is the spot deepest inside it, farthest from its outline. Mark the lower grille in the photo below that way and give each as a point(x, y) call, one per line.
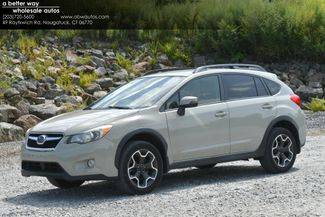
point(43, 141)
point(41, 167)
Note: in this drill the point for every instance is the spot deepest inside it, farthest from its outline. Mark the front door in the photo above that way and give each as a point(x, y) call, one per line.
point(203, 131)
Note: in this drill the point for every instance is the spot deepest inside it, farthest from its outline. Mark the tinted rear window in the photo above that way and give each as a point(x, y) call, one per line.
point(239, 86)
point(261, 90)
point(273, 87)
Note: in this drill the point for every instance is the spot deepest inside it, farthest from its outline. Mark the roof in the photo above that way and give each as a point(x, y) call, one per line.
point(189, 72)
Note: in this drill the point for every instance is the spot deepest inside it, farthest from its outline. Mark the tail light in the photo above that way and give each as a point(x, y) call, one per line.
point(296, 99)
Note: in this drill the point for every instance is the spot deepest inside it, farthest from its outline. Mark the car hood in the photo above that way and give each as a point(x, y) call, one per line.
point(83, 120)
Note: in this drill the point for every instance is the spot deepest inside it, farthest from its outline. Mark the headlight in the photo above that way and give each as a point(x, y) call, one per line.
point(90, 135)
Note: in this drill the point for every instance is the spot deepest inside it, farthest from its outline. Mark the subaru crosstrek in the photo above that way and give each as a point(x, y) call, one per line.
point(171, 119)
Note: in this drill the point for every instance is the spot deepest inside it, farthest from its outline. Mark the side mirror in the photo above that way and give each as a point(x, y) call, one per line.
point(187, 102)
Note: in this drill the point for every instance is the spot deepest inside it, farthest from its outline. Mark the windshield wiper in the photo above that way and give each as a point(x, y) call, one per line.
point(119, 107)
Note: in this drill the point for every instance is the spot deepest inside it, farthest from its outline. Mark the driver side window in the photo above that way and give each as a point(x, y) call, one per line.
point(206, 89)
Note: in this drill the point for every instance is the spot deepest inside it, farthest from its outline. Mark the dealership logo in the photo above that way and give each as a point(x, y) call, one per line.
point(41, 139)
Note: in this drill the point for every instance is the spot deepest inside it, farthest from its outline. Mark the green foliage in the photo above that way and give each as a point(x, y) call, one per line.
point(66, 35)
point(124, 62)
point(9, 36)
point(70, 107)
point(115, 45)
point(41, 68)
point(153, 62)
point(4, 83)
point(270, 31)
point(316, 105)
point(65, 80)
point(276, 30)
point(32, 71)
point(87, 78)
point(176, 51)
point(84, 104)
point(26, 45)
point(38, 68)
point(86, 60)
point(234, 29)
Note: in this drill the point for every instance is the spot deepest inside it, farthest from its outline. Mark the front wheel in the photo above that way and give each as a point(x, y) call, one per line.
point(64, 184)
point(141, 168)
point(280, 151)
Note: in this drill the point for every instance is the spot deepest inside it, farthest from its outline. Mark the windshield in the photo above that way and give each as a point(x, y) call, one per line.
point(139, 93)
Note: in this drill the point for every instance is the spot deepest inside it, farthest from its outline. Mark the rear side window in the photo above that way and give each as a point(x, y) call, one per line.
point(273, 87)
point(239, 86)
point(261, 90)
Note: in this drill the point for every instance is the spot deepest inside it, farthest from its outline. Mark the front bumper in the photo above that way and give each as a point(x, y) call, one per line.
point(43, 170)
point(69, 161)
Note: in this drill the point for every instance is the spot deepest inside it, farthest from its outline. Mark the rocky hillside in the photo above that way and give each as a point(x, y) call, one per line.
point(41, 80)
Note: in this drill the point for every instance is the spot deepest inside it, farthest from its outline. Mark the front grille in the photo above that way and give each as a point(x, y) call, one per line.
point(41, 167)
point(51, 141)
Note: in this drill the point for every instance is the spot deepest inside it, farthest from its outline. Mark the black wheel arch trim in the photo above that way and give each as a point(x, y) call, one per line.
point(261, 149)
point(147, 131)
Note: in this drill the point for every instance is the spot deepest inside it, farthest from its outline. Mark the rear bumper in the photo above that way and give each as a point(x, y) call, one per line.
point(302, 123)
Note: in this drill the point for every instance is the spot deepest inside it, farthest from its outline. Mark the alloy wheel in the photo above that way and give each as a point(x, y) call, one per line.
point(142, 168)
point(282, 150)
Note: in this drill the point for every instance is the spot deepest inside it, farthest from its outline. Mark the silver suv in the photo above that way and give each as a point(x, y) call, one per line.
point(171, 119)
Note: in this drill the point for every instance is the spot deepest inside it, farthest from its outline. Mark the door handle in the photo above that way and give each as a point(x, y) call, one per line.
point(267, 106)
point(220, 114)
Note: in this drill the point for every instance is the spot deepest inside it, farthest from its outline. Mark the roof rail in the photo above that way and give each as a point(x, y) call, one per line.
point(165, 70)
point(230, 66)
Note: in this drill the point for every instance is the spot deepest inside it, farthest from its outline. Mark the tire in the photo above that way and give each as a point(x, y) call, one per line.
point(204, 167)
point(280, 151)
point(141, 168)
point(64, 184)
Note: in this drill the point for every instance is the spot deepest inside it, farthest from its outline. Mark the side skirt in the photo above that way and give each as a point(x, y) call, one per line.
point(214, 160)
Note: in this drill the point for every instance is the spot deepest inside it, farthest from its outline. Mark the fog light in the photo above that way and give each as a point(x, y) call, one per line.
point(90, 163)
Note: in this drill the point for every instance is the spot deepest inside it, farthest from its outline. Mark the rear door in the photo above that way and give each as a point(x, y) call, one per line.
point(251, 110)
point(204, 130)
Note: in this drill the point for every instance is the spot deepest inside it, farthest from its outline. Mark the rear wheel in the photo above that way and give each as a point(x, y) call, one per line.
point(204, 167)
point(280, 151)
point(64, 184)
point(141, 168)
